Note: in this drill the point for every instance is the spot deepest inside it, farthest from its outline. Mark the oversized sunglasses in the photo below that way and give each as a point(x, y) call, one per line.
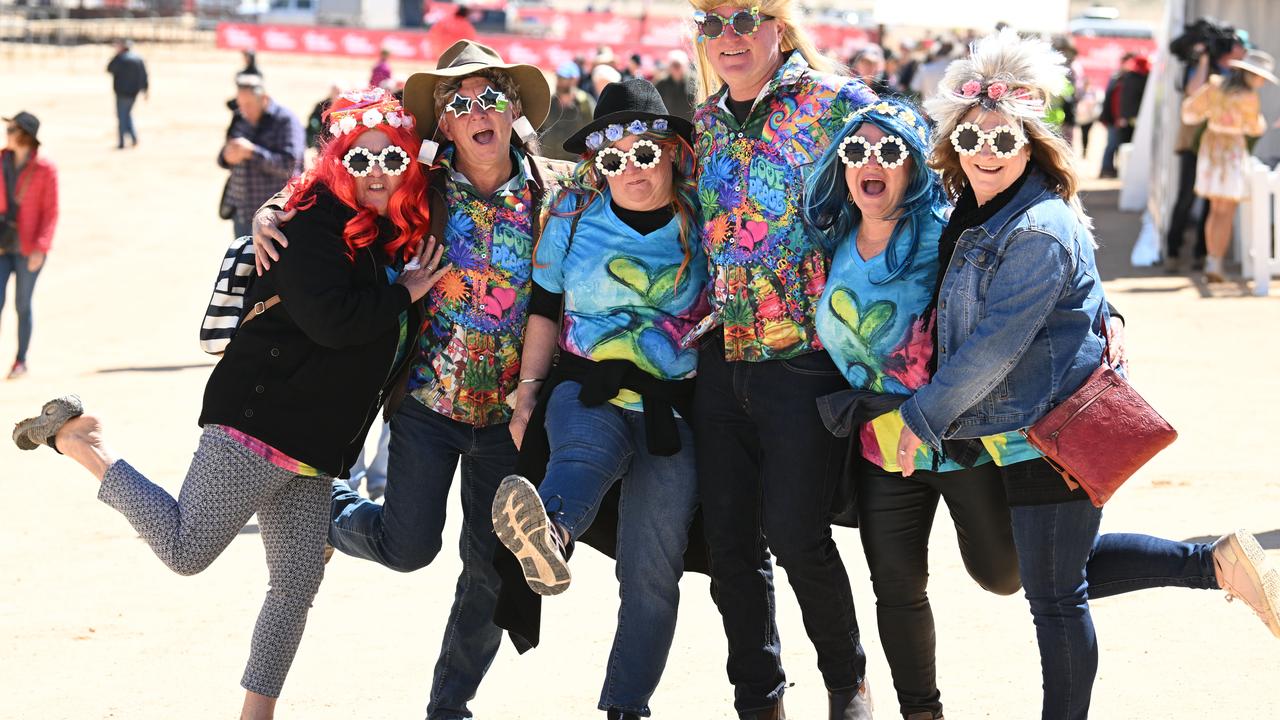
point(360, 161)
point(644, 154)
point(490, 99)
point(857, 151)
point(744, 22)
point(1005, 140)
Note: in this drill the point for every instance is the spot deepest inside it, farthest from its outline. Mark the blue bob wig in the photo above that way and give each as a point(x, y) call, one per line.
point(829, 209)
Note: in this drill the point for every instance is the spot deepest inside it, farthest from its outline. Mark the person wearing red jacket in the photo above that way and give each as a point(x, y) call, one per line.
point(28, 214)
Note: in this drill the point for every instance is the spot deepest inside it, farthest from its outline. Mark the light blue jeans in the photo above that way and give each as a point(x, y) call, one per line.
point(16, 264)
point(591, 449)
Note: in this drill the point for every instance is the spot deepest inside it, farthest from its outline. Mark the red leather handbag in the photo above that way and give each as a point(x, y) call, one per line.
point(1102, 434)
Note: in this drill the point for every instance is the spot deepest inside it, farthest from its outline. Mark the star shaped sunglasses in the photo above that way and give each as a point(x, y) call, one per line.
point(744, 22)
point(856, 151)
point(489, 99)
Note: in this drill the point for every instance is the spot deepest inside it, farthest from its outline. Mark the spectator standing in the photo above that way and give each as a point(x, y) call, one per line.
point(868, 65)
point(601, 76)
point(29, 193)
point(1187, 147)
point(1233, 111)
point(675, 86)
point(453, 28)
point(128, 79)
point(264, 150)
point(924, 82)
point(382, 70)
point(1120, 107)
point(316, 130)
point(250, 63)
point(571, 108)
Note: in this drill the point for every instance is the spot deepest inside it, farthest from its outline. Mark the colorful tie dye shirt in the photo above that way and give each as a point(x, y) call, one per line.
point(878, 335)
point(767, 270)
point(622, 300)
point(469, 353)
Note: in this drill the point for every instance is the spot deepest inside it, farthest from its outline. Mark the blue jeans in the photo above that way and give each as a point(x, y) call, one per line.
point(1064, 563)
point(15, 264)
point(768, 468)
point(405, 534)
point(124, 116)
point(591, 449)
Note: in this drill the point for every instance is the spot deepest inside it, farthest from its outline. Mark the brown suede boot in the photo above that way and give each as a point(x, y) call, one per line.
point(774, 713)
point(850, 704)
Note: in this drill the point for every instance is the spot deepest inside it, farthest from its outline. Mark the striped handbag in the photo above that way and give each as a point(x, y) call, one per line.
point(224, 314)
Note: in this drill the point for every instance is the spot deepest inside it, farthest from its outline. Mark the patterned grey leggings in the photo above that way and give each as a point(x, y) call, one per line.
point(225, 485)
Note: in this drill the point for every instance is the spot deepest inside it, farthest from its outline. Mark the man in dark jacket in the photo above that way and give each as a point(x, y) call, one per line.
point(264, 150)
point(675, 87)
point(129, 78)
point(1120, 107)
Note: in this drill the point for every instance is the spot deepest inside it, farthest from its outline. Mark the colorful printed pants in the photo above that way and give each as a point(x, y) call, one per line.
point(225, 486)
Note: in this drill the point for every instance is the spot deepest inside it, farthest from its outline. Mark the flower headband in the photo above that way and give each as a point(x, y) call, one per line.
point(907, 117)
point(991, 93)
point(615, 132)
point(366, 109)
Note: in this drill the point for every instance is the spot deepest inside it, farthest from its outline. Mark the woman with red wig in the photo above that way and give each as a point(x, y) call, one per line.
point(287, 407)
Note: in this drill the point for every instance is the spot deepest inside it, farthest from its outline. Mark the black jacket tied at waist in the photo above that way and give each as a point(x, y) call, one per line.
point(843, 413)
point(519, 609)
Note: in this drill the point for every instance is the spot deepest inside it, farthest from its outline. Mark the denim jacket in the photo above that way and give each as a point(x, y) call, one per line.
point(1018, 321)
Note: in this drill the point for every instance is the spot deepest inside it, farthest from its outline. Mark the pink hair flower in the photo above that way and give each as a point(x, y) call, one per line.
point(971, 89)
point(996, 90)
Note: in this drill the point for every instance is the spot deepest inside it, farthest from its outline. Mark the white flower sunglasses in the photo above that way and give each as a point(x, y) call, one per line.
point(645, 154)
point(890, 151)
point(1005, 140)
point(359, 161)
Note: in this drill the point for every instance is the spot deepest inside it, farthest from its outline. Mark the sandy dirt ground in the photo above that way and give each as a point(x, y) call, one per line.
point(92, 626)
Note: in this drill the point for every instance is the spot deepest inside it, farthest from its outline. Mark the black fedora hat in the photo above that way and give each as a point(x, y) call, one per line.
point(622, 103)
point(28, 122)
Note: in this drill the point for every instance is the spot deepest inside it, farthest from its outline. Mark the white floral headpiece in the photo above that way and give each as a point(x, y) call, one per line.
point(904, 115)
point(365, 110)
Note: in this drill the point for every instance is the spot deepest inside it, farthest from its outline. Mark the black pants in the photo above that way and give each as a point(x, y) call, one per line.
point(895, 517)
point(768, 468)
point(1182, 207)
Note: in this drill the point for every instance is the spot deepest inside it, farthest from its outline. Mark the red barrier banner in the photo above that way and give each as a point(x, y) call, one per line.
point(584, 33)
point(1100, 56)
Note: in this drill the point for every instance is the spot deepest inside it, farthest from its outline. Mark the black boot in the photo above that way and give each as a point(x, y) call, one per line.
point(777, 712)
point(619, 715)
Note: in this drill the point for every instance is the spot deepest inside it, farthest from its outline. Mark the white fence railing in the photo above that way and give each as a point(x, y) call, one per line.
point(1260, 226)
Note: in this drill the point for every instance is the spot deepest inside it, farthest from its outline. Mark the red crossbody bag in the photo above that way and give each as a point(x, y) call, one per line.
point(1102, 434)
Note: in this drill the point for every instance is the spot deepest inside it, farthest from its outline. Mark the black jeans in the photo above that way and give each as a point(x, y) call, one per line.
point(1182, 207)
point(895, 517)
point(768, 468)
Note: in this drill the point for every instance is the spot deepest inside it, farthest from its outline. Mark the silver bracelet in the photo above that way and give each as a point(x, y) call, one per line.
point(531, 380)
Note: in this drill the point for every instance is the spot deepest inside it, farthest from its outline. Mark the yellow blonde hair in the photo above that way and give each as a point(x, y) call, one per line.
point(793, 38)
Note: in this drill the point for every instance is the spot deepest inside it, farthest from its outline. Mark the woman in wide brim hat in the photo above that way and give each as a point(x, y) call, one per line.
point(619, 278)
point(1233, 110)
point(467, 57)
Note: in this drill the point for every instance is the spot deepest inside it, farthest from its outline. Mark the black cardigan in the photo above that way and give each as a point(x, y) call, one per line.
point(307, 377)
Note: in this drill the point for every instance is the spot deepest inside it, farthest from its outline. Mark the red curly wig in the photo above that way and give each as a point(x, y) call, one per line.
point(407, 208)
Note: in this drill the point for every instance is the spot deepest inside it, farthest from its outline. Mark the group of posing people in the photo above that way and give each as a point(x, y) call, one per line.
point(696, 348)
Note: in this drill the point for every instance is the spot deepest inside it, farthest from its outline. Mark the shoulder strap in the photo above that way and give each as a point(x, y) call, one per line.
point(260, 308)
point(10, 180)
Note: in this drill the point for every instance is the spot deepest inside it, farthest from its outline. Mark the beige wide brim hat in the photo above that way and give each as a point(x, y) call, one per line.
point(1259, 63)
point(466, 57)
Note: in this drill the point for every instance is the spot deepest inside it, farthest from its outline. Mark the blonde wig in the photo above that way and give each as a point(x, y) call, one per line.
point(793, 38)
point(1015, 77)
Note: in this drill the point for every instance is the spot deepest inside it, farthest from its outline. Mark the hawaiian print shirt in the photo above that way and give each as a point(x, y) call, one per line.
point(469, 353)
point(627, 296)
point(767, 270)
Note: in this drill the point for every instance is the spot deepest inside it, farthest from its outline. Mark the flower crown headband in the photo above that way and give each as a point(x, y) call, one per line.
point(905, 116)
point(369, 109)
point(991, 93)
point(615, 132)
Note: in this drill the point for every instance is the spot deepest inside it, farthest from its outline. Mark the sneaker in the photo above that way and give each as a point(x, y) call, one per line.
point(521, 522)
point(1213, 270)
point(1172, 266)
point(18, 370)
point(1243, 571)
